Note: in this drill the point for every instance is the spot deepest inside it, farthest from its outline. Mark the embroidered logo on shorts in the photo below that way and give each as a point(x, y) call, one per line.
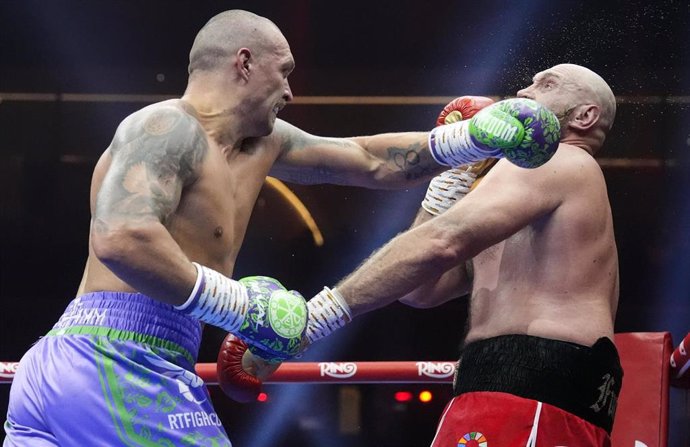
point(473, 439)
point(607, 396)
point(187, 381)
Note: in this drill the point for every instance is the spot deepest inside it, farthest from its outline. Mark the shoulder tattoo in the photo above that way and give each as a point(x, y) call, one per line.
point(155, 154)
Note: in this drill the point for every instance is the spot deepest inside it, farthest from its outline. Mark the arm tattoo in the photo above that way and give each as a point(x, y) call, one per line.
point(410, 161)
point(155, 153)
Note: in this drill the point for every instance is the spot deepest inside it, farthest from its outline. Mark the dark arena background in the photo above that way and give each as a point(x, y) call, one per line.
point(70, 71)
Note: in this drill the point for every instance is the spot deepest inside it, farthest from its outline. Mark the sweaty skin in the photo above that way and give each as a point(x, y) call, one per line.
point(540, 241)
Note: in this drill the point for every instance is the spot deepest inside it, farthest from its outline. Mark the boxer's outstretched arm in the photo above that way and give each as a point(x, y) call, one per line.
point(520, 129)
point(384, 161)
point(489, 215)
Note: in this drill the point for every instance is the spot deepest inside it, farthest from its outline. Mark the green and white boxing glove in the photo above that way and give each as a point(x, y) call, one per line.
point(258, 309)
point(519, 129)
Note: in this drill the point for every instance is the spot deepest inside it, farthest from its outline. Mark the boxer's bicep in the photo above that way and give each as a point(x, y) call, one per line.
point(309, 159)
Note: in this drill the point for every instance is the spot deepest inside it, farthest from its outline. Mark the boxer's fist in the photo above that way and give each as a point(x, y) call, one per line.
point(275, 321)
point(519, 129)
point(240, 373)
point(462, 108)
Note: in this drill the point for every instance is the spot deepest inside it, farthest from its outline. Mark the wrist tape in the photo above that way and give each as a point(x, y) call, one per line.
point(446, 189)
point(328, 311)
point(452, 145)
point(217, 300)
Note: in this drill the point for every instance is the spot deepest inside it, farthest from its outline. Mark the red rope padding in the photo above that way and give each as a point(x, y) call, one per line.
point(325, 372)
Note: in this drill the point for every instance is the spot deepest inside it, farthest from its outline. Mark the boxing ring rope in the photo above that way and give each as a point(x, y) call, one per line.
point(678, 364)
point(382, 372)
point(325, 372)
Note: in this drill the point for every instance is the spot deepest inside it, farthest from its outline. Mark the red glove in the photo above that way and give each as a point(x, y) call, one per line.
point(240, 373)
point(462, 108)
point(680, 364)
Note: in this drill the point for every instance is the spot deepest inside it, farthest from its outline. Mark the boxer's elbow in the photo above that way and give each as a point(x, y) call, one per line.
point(117, 245)
point(452, 244)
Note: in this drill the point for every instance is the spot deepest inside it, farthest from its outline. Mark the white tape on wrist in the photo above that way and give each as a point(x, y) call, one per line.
point(451, 145)
point(328, 311)
point(217, 300)
point(447, 188)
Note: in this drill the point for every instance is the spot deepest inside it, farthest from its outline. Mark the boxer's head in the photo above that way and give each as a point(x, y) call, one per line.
point(249, 56)
point(582, 100)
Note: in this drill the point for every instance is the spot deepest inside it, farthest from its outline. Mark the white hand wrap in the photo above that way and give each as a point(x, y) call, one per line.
point(217, 300)
point(452, 145)
point(328, 311)
point(447, 188)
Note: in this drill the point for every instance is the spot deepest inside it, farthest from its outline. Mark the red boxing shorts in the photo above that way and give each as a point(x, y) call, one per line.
point(483, 419)
point(519, 390)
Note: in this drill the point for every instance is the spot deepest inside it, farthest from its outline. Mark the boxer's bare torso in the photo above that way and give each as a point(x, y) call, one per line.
point(558, 276)
point(210, 221)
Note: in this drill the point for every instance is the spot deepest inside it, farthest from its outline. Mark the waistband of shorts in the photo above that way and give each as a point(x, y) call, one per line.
point(581, 380)
point(131, 317)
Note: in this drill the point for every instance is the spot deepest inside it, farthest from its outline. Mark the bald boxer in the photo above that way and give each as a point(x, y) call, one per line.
point(171, 198)
point(538, 365)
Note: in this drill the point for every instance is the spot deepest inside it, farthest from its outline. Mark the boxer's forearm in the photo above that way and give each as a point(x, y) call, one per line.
point(146, 258)
point(452, 284)
point(407, 261)
point(403, 158)
point(385, 161)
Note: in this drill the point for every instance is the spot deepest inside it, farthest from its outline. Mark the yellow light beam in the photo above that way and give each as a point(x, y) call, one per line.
point(298, 206)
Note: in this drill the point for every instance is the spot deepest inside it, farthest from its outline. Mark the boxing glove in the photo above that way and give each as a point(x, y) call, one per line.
point(519, 129)
point(258, 309)
point(240, 374)
point(452, 185)
point(447, 188)
point(462, 108)
point(276, 319)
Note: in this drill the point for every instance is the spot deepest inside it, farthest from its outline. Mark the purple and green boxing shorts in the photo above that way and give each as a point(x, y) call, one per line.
point(116, 369)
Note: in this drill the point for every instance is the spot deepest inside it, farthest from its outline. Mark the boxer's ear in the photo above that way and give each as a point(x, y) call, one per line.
point(583, 117)
point(243, 63)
